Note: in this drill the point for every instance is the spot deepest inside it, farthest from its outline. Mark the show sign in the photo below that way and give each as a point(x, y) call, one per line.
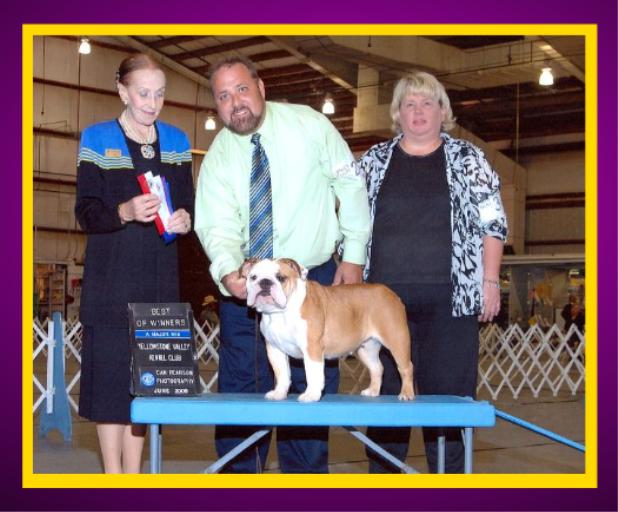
point(163, 352)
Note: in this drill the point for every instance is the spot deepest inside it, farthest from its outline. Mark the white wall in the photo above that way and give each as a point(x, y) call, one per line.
point(555, 173)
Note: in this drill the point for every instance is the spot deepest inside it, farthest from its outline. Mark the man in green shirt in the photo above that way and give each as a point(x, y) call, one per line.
point(318, 200)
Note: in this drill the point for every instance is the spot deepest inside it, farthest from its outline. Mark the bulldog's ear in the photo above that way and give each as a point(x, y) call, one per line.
point(303, 273)
point(297, 267)
point(245, 268)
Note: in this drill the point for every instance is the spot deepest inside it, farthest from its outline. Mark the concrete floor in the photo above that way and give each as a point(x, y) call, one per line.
point(505, 448)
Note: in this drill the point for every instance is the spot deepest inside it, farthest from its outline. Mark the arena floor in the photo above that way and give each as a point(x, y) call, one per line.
point(505, 448)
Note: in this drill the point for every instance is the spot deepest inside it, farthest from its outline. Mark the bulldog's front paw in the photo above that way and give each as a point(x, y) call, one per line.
point(370, 392)
point(406, 393)
point(275, 394)
point(406, 396)
point(310, 396)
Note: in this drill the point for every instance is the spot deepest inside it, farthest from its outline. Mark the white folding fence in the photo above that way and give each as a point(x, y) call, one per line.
point(510, 360)
point(43, 343)
point(513, 360)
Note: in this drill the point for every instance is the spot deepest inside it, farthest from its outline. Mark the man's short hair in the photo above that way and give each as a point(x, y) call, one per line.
point(231, 61)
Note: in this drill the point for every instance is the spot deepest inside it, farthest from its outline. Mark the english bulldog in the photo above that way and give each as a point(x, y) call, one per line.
point(308, 321)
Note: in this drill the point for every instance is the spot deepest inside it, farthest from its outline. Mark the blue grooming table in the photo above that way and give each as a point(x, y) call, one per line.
point(346, 411)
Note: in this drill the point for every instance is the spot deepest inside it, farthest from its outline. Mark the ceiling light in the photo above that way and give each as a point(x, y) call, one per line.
point(546, 78)
point(84, 46)
point(210, 124)
point(328, 107)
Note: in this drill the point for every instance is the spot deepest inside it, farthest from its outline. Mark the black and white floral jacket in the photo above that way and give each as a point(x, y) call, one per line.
point(476, 211)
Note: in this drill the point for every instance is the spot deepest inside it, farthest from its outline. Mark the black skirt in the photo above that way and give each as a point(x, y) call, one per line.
point(105, 375)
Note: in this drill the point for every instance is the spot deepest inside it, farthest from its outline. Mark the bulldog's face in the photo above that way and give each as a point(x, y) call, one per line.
point(271, 282)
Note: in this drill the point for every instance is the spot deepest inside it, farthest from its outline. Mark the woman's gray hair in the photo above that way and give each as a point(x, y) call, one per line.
point(136, 62)
point(425, 84)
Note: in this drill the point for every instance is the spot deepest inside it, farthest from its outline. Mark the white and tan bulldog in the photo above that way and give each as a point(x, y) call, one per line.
point(305, 320)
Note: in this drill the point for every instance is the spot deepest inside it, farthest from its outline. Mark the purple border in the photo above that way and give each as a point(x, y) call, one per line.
point(598, 12)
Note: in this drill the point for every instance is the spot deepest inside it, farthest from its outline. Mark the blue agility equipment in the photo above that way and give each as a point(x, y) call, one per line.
point(348, 411)
point(539, 430)
point(60, 416)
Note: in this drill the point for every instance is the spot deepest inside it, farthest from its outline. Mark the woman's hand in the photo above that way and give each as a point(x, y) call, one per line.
point(491, 301)
point(492, 255)
point(141, 208)
point(180, 222)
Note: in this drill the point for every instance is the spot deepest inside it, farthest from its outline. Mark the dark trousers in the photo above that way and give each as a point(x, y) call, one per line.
point(244, 368)
point(445, 357)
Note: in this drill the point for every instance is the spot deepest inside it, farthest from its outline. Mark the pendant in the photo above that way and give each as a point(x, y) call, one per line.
point(147, 151)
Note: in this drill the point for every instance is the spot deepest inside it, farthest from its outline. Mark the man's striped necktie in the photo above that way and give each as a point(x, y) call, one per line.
point(260, 204)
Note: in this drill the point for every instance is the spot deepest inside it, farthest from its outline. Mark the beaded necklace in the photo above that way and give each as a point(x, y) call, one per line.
point(145, 143)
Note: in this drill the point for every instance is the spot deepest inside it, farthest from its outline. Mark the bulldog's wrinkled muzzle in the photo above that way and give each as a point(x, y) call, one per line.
point(265, 291)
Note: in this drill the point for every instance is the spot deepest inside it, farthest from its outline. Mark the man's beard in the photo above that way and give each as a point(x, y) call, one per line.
point(245, 124)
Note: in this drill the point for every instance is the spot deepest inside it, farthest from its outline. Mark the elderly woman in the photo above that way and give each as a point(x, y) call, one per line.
point(438, 234)
point(126, 259)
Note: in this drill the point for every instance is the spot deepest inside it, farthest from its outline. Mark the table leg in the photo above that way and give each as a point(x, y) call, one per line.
point(468, 449)
point(441, 453)
point(380, 451)
point(216, 466)
point(155, 449)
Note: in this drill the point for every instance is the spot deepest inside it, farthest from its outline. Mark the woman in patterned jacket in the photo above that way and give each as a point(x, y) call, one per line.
point(438, 234)
point(126, 259)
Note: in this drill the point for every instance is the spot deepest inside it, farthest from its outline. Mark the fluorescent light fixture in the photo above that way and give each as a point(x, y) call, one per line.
point(546, 78)
point(210, 124)
point(328, 106)
point(84, 46)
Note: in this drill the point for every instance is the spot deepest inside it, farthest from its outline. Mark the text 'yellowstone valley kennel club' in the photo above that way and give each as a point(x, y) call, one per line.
point(163, 351)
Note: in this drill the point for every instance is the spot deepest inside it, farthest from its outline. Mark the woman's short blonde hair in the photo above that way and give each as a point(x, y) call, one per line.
point(425, 84)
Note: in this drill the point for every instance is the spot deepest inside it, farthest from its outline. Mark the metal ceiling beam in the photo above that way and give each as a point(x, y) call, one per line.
point(221, 48)
point(258, 57)
point(469, 42)
point(548, 148)
point(570, 100)
point(271, 55)
point(109, 92)
point(510, 91)
point(340, 97)
point(283, 70)
point(318, 86)
point(553, 126)
point(345, 75)
point(164, 59)
point(171, 41)
point(299, 79)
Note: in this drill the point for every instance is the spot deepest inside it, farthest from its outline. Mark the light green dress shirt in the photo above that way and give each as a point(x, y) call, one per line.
point(311, 167)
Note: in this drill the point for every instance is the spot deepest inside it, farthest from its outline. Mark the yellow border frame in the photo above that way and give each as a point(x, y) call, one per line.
point(588, 479)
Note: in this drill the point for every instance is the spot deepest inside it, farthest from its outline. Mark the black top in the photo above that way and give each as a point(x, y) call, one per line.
point(578, 320)
point(412, 224)
point(130, 262)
